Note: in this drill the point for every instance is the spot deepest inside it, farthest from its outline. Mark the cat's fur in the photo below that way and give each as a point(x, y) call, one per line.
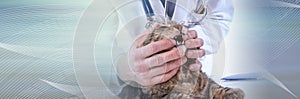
point(185, 84)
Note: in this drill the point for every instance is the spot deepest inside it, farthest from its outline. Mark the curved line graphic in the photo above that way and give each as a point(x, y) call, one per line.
point(283, 4)
point(56, 54)
point(74, 90)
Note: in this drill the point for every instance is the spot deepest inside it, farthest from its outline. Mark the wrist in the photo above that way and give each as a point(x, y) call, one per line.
point(123, 70)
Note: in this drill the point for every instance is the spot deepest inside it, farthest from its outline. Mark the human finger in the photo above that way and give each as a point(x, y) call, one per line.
point(154, 47)
point(191, 34)
point(165, 57)
point(164, 77)
point(196, 67)
point(194, 43)
point(164, 68)
point(195, 53)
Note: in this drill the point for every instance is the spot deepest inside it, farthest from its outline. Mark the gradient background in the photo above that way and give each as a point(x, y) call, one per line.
point(36, 45)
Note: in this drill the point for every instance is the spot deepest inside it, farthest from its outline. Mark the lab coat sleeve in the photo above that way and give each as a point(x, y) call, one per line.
point(215, 25)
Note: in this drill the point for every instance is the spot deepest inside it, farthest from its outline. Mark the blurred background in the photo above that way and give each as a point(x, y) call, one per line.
point(36, 47)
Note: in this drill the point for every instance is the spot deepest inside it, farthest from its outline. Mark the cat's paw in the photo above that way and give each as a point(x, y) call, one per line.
point(230, 93)
point(234, 93)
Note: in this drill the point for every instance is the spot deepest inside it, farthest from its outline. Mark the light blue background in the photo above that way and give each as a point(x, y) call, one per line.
point(36, 40)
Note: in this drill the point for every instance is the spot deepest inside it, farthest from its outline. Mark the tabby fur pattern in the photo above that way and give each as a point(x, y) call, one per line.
point(184, 85)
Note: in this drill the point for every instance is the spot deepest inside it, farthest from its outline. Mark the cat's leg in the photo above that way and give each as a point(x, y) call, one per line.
point(216, 91)
point(229, 93)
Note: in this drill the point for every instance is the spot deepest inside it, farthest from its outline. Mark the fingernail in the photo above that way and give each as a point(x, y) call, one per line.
point(202, 52)
point(194, 34)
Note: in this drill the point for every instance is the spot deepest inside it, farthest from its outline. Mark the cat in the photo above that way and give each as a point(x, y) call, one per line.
point(185, 84)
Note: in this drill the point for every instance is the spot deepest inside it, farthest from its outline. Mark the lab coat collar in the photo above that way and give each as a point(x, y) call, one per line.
point(182, 9)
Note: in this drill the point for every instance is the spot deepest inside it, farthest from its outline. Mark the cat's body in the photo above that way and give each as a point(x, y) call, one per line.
point(185, 84)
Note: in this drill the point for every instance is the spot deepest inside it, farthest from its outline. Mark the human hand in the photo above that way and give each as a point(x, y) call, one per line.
point(149, 65)
point(193, 44)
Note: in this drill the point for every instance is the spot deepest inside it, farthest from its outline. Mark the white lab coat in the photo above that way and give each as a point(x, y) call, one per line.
point(212, 29)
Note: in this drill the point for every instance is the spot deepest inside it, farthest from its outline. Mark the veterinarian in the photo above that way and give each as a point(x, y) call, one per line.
point(141, 67)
